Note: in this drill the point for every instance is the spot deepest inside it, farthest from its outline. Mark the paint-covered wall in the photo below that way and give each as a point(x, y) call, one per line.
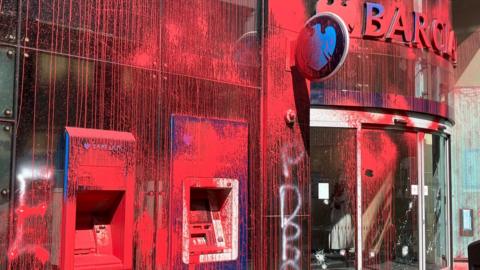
point(131, 65)
point(378, 72)
point(123, 66)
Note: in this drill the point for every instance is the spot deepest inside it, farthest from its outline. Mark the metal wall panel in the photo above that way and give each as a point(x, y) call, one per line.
point(7, 81)
point(5, 169)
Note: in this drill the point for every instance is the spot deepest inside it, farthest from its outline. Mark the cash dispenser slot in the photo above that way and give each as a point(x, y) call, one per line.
point(97, 227)
point(212, 217)
point(206, 230)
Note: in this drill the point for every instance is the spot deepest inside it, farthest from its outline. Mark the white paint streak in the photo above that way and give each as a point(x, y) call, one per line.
point(288, 161)
point(25, 176)
point(288, 222)
point(289, 193)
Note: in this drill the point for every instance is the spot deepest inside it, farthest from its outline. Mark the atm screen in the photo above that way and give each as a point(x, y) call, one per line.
point(199, 209)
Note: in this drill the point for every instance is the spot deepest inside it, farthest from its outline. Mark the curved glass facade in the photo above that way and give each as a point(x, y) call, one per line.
point(417, 80)
point(398, 69)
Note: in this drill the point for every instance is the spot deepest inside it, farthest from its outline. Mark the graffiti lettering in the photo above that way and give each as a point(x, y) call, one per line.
point(290, 194)
point(288, 161)
point(288, 224)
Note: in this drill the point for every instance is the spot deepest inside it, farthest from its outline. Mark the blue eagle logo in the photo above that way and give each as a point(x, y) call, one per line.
point(322, 45)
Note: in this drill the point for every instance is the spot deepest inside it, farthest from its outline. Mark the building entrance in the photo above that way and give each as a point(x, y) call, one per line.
point(379, 191)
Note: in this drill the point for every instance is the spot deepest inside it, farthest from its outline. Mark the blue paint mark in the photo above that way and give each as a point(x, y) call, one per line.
point(65, 175)
point(181, 142)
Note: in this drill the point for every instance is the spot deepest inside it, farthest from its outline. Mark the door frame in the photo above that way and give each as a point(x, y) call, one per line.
point(341, 118)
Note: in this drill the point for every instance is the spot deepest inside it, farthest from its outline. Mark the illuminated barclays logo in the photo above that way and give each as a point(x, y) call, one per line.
point(322, 46)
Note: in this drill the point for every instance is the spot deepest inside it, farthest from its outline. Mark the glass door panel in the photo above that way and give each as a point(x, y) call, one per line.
point(333, 197)
point(389, 173)
point(435, 202)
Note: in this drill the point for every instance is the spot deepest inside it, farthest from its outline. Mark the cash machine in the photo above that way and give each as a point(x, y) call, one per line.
point(208, 203)
point(98, 199)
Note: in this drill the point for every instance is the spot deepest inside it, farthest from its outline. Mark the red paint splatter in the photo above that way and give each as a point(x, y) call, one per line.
point(144, 229)
point(41, 254)
point(24, 212)
point(291, 16)
point(18, 246)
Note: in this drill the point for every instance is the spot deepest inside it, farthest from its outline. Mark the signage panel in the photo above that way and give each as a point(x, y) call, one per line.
point(322, 46)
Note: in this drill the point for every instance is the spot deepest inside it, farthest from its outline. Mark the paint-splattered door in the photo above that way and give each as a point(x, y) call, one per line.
point(436, 200)
point(397, 168)
point(333, 197)
point(390, 198)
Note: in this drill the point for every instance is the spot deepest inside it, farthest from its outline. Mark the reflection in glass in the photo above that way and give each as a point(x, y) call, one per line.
point(191, 31)
point(435, 202)
point(333, 194)
point(389, 199)
point(420, 76)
